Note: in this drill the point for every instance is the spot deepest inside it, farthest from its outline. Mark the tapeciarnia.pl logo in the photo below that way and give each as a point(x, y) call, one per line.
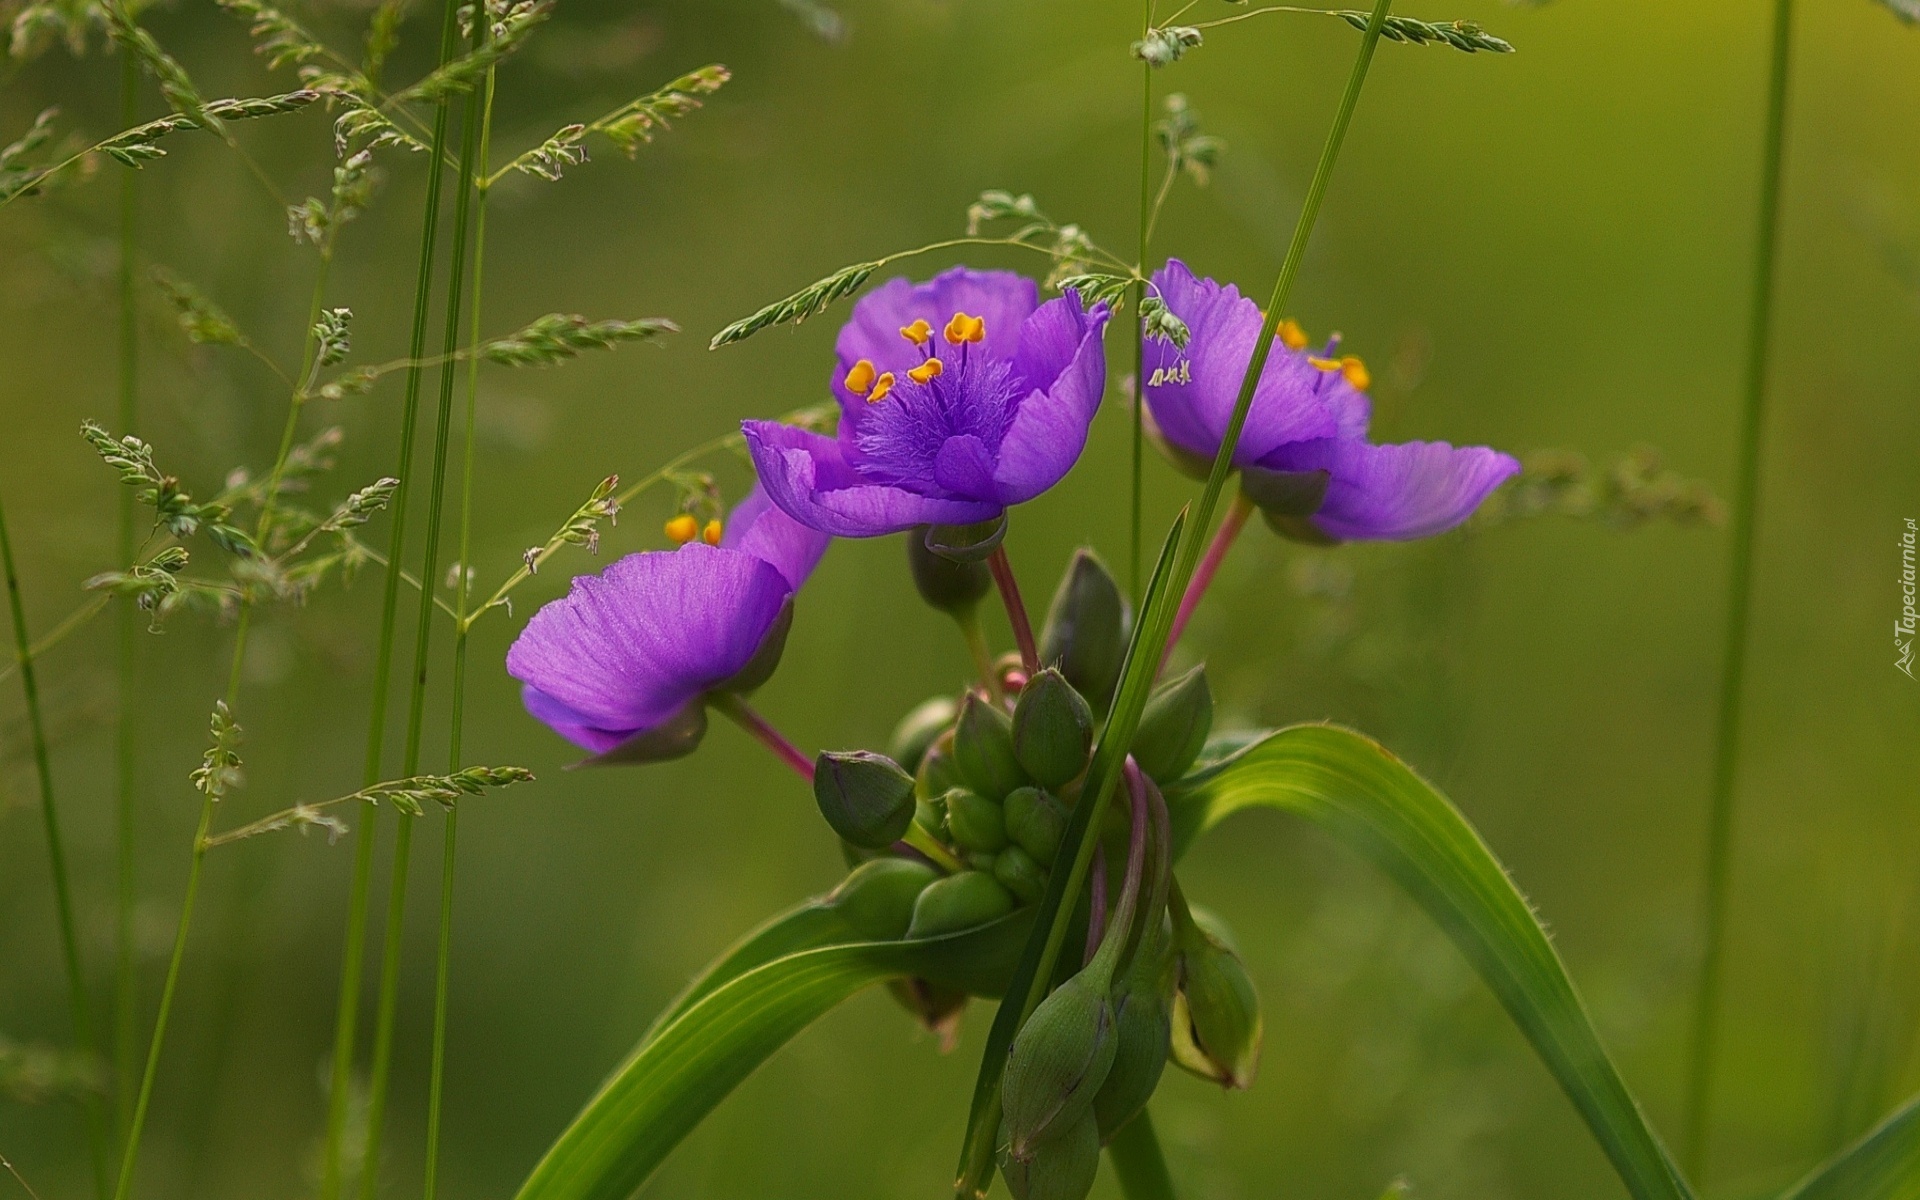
point(1903, 626)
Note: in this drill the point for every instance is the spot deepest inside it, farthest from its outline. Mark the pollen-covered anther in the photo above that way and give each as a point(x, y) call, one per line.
point(682, 529)
point(963, 329)
point(1292, 336)
point(881, 387)
point(711, 531)
point(860, 377)
point(1350, 367)
point(919, 333)
point(926, 370)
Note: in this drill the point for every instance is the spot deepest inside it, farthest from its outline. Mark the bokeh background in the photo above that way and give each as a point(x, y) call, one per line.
point(1549, 249)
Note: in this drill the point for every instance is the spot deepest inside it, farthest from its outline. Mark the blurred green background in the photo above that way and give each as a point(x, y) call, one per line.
point(1549, 249)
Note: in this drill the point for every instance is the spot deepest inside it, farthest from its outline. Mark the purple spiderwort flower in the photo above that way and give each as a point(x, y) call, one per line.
point(1305, 438)
point(631, 651)
point(959, 397)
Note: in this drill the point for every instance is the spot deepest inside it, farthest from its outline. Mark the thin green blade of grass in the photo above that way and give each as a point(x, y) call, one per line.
point(1357, 791)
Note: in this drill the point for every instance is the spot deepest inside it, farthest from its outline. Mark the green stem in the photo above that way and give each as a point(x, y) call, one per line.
point(975, 633)
point(389, 991)
point(269, 500)
point(347, 1005)
point(1746, 503)
point(444, 957)
point(126, 1001)
point(56, 854)
point(1104, 775)
point(1139, 299)
point(1137, 1162)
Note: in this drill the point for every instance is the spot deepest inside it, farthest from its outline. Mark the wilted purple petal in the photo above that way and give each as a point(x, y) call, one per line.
point(627, 649)
point(1396, 492)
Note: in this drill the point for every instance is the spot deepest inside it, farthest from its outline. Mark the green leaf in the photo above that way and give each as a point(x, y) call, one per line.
point(727, 1024)
point(1883, 1165)
point(1356, 790)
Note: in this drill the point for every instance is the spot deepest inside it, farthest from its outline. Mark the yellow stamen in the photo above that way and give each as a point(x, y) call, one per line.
point(1291, 335)
point(683, 529)
point(1350, 367)
point(926, 370)
point(881, 387)
point(860, 377)
point(919, 333)
point(711, 534)
point(963, 328)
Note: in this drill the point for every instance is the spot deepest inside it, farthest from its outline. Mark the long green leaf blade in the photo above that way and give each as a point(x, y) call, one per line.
point(1883, 1165)
point(680, 1073)
point(1356, 790)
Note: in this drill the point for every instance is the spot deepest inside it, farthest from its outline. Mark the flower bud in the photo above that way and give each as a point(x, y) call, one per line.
point(919, 729)
point(1019, 874)
point(1174, 727)
point(1057, 1062)
point(947, 584)
point(983, 748)
point(877, 897)
point(866, 797)
point(1086, 630)
point(1216, 1013)
point(1060, 1168)
point(974, 821)
point(958, 902)
point(937, 771)
point(1143, 1021)
point(1035, 822)
point(1052, 729)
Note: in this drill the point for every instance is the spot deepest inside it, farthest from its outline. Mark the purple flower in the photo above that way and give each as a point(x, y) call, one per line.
point(631, 651)
point(959, 398)
point(1305, 438)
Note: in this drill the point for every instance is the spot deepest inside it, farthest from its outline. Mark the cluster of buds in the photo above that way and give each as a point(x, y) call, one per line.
point(963, 822)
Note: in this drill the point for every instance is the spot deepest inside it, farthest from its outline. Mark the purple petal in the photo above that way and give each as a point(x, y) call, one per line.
point(1397, 492)
point(1200, 382)
point(759, 528)
point(1003, 298)
point(628, 648)
point(807, 476)
point(965, 468)
point(1050, 429)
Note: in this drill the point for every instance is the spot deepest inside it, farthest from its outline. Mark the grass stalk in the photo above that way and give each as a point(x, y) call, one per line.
point(125, 994)
point(353, 951)
point(1720, 812)
point(1139, 300)
point(436, 1085)
point(387, 1006)
point(83, 1034)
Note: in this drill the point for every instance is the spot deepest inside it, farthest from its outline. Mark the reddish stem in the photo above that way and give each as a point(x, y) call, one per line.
point(1016, 609)
point(744, 716)
point(1223, 539)
point(1096, 903)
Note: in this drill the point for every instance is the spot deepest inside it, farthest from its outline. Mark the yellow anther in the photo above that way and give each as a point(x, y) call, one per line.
point(881, 387)
point(964, 328)
point(926, 370)
point(1291, 335)
point(711, 534)
point(860, 377)
point(683, 529)
point(919, 333)
point(1350, 367)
